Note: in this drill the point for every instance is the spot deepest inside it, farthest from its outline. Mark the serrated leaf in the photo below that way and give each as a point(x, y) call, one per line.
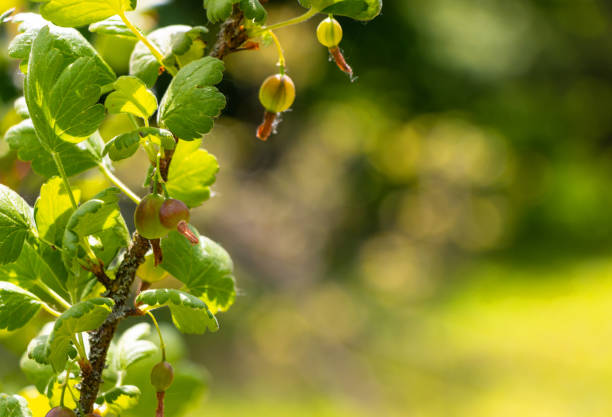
point(189, 313)
point(254, 10)
point(209, 272)
point(131, 96)
point(17, 306)
point(98, 220)
point(34, 267)
point(14, 406)
point(15, 224)
point(75, 13)
point(81, 317)
point(120, 398)
point(122, 146)
point(53, 209)
point(160, 137)
point(21, 108)
point(355, 9)
point(191, 101)
point(113, 26)
point(37, 349)
point(142, 62)
point(218, 10)
point(76, 158)
point(191, 173)
point(132, 347)
point(62, 89)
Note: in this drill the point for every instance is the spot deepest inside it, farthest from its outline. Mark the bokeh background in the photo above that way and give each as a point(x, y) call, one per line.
point(432, 240)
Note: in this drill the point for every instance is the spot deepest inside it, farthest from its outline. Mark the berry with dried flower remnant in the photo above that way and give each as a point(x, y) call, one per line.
point(174, 214)
point(277, 94)
point(162, 376)
point(329, 34)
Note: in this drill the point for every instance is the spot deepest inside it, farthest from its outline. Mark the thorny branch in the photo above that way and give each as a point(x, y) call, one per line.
point(232, 35)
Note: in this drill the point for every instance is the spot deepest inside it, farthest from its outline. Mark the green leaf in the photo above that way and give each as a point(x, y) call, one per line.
point(37, 348)
point(132, 347)
point(254, 10)
point(120, 398)
point(142, 62)
point(76, 158)
point(98, 221)
point(82, 317)
point(113, 26)
point(189, 313)
point(132, 97)
point(122, 146)
point(38, 374)
point(191, 101)
point(14, 406)
point(62, 88)
point(191, 173)
point(53, 209)
point(218, 10)
point(15, 224)
point(75, 13)
point(207, 275)
point(34, 267)
point(17, 306)
point(21, 108)
point(160, 137)
point(355, 9)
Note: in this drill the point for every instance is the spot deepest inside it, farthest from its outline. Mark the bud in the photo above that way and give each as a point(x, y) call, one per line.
point(329, 32)
point(277, 93)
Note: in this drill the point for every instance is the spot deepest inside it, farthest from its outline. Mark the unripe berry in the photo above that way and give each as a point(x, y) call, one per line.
point(329, 32)
point(277, 93)
point(162, 376)
point(146, 217)
point(60, 412)
point(172, 212)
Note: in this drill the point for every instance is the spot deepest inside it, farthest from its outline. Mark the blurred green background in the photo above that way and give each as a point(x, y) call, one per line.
point(432, 240)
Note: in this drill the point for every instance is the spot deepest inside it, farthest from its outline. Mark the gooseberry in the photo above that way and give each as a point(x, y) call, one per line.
point(60, 412)
point(277, 93)
point(172, 212)
point(146, 217)
point(329, 32)
point(162, 376)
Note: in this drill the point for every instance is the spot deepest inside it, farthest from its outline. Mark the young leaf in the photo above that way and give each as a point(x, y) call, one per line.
point(131, 96)
point(82, 317)
point(75, 13)
point(218, 10)
point(120, 398)
point(32, 269)
point(191, 173)
point(62, 89)
point(355, 9)
point(53, 209)
point(189, 313)
point(142, 62)
point(14, 406)
point(17, 306)
point(254, 10)
point(131, 347)
point(112, 26)
point(122, 146)
point(191, 101)
point(76, 158)
point(38, 374)
point(21, 108)
point(207, 275)
point(100, 222)
point(15, 224)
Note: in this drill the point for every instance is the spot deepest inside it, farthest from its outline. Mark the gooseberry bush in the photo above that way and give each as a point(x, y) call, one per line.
point(73, 263)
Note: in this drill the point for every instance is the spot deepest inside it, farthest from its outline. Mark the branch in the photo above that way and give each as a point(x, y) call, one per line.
point(231, 36)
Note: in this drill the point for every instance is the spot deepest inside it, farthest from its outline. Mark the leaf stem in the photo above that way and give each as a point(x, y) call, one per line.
point(112, 178)
point(60, 300)
point(62, 172)
point(296, 20)
point(162, 345)
point(156, 53)
point(51, 310)
point(281, 54)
